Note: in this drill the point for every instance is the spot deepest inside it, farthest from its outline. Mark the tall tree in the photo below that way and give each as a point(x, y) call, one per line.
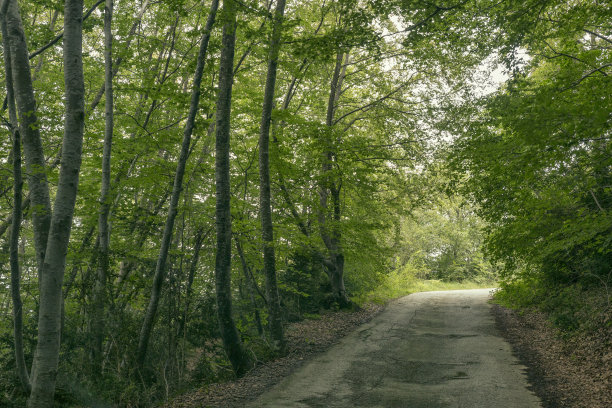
point(103, 230)
point(13, 124)
point(331, 235)
point(160, 268)
point(46, 358)
point(231, 340)
point(265, 207)
point(30, 130)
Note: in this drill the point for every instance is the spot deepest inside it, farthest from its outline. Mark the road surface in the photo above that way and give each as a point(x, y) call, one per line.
point(426, 350)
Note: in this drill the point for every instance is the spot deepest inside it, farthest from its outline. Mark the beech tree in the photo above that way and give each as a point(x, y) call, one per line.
point(52, 229)
point(265, 210)
point(305, 135)
point(176, 188)
point(231, 340)
point(103, 232)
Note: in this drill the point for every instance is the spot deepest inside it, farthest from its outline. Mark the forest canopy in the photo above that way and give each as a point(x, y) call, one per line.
point(181, 179)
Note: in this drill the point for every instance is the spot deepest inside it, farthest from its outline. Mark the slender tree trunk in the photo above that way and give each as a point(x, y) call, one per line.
point(99, 299)
point(117, 63)
point(250, 285)
point(22, 369)
point(231, 340)
point(29, 129)
point(46, 358)
point(332, 236)
point(265, 207)
point(337, 278)
point(193, 265)
point(158, 279)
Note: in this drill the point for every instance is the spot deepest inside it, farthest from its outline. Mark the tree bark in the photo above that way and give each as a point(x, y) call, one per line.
point(265, 207)
point(231, 340)
point(332, 237)
point(193, 265)
point(99, 299)
point(250, 286)
point(158, 279)
point(22, 370)
point(46, 358)
point(29, 130)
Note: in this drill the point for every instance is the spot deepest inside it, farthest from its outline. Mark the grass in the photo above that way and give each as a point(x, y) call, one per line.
point(401, 284)
point(573, 308)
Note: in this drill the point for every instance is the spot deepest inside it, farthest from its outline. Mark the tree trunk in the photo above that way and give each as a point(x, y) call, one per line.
point(250, 286)
point(337, 273)
point(265, 208)
point(29, 129)
point(158, 279)
point(103, 230)
point(231, 340)
point(115, 70)
point(332, 236)
point(20, 364)
point(46, 358)
point(193, 265)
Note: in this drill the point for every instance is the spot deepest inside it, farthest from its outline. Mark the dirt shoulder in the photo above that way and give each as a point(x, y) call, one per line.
point(305, 340)
point(575, 373)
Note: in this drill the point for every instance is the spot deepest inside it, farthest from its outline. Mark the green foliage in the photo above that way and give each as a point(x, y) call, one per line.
point(574, 309)
point(443, 240)
point(535, 158)
point(531, 172)
point(11, 395)
point(405, 281)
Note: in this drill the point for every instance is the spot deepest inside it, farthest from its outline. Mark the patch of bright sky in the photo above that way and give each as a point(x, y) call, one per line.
point(488, 77)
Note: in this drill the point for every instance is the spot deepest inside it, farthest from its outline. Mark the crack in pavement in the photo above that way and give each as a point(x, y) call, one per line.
point(436, 349)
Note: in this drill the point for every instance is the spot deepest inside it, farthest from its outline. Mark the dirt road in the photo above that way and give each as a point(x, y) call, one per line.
point(431, 349)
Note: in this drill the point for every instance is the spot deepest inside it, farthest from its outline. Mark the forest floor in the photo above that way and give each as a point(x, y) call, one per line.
point(305, 339)
point(574, 373)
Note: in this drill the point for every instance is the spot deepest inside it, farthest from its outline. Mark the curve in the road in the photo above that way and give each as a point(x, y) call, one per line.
point(426, 350)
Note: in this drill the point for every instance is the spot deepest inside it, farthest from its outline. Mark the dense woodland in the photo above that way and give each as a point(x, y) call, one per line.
point(181, 179)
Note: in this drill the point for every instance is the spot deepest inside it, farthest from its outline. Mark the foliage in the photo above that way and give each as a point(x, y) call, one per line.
point(405, 281)
point(445, 242)
point(528, 175)
point(536, 154)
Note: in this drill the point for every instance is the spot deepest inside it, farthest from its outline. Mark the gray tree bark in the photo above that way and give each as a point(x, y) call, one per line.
point(197, 247)
point(265, 207)
point(332, 237)
point(46, 357)
point(29, 130)
point(99, 298)
point(22, 370)
point(231, 340)
point(250, 285)
point(158, 279)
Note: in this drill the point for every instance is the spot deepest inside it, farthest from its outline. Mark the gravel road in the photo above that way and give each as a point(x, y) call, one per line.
point(426, 350)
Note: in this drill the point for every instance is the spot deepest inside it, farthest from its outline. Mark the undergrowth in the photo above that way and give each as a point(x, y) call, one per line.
point(404, 282)
point(573, 309)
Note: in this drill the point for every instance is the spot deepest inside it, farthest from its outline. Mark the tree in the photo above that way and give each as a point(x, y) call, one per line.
point(537, 151)
point(229, 334)
point(52, 260)
point(176, 189)
point(103, 230)
point(265, 211)
point(17, 210)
